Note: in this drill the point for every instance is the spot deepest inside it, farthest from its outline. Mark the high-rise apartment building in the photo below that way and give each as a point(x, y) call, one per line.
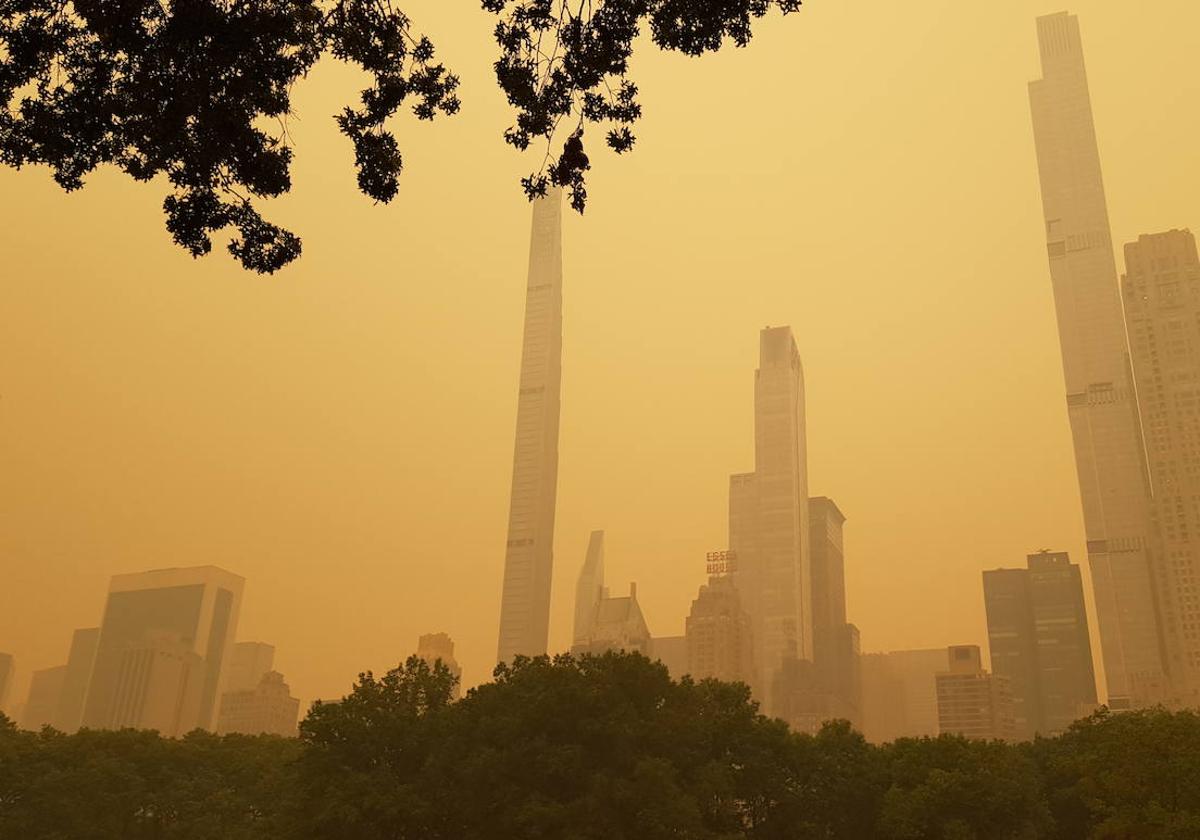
point(267, 709)
point(80, 661)
point(529, 553)
point(439, 647)
point(719, 637)
point(1101, 401)
point(899, 693)
point(1161, 289)
point(1038, 638)
point(589, 588)
point(248, 662)
point(970, 701)
point(164, 641)
point(768, 522)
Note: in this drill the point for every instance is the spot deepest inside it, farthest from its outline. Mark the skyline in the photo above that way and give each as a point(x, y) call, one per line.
point(650, 362)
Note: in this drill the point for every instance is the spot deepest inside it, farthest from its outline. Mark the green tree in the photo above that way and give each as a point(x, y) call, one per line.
point(199, 91)
point(949, 788)
point(1126, 776)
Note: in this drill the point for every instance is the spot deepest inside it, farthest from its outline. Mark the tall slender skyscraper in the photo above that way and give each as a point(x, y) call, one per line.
point(768, 523)
point(589, 589)
point(1101, 401)
point(1162, 309)
point(529, 553)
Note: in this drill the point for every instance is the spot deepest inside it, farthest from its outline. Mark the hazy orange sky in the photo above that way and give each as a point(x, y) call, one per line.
point(341, 433)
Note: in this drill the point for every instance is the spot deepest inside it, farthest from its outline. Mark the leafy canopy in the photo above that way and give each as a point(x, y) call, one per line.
point(199, 91)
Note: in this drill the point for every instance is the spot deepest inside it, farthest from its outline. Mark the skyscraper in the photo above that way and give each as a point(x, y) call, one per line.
point(45, 689)
point(720, 641)
point(972, 702)
point(835, 642)
point(768, 527)
point(1101, 402)
point(164, 640)
point(439, 647)
point(80, 660)
point(1162, 311)
point(1038, 639)
point(529, 552)
point(589, 589)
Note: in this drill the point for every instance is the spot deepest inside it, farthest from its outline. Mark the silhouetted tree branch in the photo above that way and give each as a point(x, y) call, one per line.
point(200, 90)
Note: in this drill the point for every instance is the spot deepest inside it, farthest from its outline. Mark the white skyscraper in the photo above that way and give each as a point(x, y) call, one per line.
point(768, 523)
point(529, 553)
point(1101, 402)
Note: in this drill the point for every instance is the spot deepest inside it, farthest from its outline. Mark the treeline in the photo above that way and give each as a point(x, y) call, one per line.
point(604, 748)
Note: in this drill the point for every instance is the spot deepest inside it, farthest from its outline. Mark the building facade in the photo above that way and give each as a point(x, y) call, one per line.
point(529, 551)
point(163, 644)
point(719, 637)
point(618, 625)
point(970, 701)
point(45, 689)
point(768, 523)
point(247, 664)
point(80, 661)
point(267, 709)
point(899, 693)
point(1100, 397)
point(1161, 290)
point(1038, 638)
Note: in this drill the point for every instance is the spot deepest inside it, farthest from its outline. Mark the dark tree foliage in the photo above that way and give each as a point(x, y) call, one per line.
point(597, 748)
point(568, 60)
point(199, 91)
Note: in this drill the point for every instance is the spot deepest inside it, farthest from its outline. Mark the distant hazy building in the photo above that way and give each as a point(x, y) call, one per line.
point(618, 626)
point(1162, 312)
point(248, 662)
point(835, 641)
point(971, 702)
point(899, 693)
point(1038, 638)
point(8, 668)
point(720, 641)
point(768, 514)
point(671, 651)
point(1100, 397)
point(45, 689)
point(80, 661)
point(589, 589)
point(267, 709)
point(164, 640)
point(439, 647)
point(529, 555)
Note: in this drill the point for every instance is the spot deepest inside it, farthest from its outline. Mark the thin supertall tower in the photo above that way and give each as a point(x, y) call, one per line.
point(1101, 401)
point(529, 553)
